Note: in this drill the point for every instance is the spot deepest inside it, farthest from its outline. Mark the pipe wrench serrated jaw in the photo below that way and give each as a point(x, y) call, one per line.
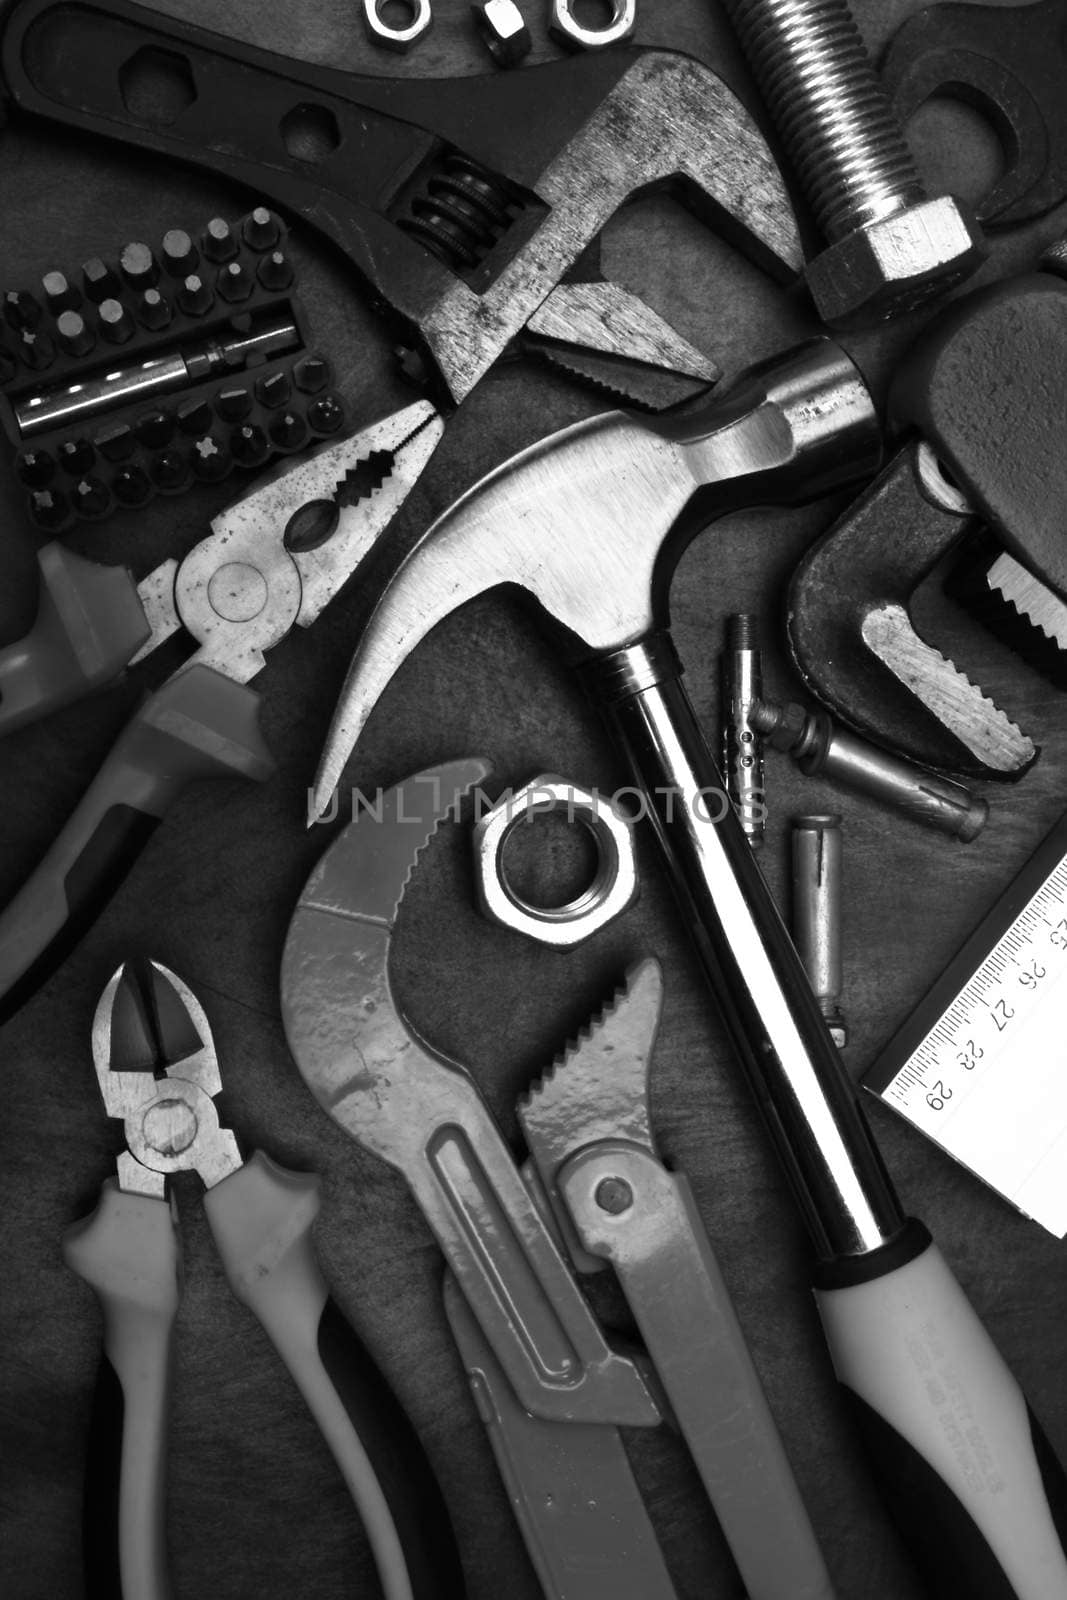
point(855, 645)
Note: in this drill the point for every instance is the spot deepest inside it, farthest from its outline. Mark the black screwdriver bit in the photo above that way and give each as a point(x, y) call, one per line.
point(326, 414)
point(49, 509)
point(90, 498)
point(139, 266)
point(261, 229)
point(21, 310)
point(312, 374)
point(132, 486)
point(74, 333)
point(275, 272)
point(76, 456)
point(233, 405)
point(180, 254)
point(98, 280)
point(211, 459)
point(60, 294)
point(195, 296)
point(250, 445)
point(234, 284)
point(194, 417)
point(36, 350)
point(170, 471)
point(289, 431)
point(273, 390)
point(35, 468)
point(116, 324)
point(153, 310)
point(8, 366)
point(218, 242)
point(116, 443)
point(155, 429)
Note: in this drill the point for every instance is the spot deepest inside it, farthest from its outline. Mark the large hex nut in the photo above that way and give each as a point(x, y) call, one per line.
point(393, 38)
point(564, 25)
point(504, 30)
point(614, 885)
point(895, 263)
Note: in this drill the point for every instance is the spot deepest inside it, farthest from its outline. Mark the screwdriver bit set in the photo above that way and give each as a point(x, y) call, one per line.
point(146, 374)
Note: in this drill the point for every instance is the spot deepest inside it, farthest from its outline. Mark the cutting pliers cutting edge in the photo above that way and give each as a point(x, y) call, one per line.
point(273, 560)
point(158, 1072)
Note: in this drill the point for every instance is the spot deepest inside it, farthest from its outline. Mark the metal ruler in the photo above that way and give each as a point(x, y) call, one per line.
point(981, 1065)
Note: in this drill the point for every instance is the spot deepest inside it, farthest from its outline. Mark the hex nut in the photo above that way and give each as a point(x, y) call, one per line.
point(392, 38)
point(614, 885)
point(566, 28)
point(504, 29)
point(895, 263)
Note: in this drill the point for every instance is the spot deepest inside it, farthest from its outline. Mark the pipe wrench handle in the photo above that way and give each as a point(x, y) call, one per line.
point(964, 1466)
point(663, 1259)
point(570, 1484)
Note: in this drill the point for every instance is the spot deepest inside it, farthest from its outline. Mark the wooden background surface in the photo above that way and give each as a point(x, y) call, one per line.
point(254, 1506)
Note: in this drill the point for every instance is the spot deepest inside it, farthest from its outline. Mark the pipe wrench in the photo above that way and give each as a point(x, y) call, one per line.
point(273, 561)
point(552, 1392)
point(466, 207)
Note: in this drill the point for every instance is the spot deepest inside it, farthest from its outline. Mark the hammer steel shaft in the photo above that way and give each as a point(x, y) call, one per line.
point(834, 1168)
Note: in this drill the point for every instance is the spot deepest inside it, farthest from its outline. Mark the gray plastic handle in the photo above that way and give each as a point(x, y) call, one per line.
point(129, 1252)
point(664, 1261)
point(89, 625)
point(261, 1219)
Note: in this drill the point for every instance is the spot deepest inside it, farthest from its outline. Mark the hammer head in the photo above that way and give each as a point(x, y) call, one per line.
point(591, 521)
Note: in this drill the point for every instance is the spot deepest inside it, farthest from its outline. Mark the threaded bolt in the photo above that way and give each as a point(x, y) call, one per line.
point(855, 167)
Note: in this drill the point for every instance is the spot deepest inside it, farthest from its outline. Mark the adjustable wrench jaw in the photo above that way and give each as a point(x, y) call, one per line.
point(158, 1073)
point(591, 521)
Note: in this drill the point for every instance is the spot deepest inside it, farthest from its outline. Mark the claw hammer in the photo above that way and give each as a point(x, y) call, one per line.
point(590, 523)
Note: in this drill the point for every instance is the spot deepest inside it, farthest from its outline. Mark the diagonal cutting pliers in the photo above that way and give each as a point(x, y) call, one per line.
point(158, 1072)
point(273, 561)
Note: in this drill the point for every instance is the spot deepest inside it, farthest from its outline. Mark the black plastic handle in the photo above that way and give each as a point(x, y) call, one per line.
point(198, 725)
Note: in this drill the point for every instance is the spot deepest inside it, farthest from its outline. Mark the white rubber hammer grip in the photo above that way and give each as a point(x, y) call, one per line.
point(963, 1465)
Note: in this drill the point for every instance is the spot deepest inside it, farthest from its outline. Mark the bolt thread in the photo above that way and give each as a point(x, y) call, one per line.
point(742, 631)
point(834, 117)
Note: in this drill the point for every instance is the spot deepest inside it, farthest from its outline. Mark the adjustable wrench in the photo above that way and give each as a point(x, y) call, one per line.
point(589, 523)
point(464, 205)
